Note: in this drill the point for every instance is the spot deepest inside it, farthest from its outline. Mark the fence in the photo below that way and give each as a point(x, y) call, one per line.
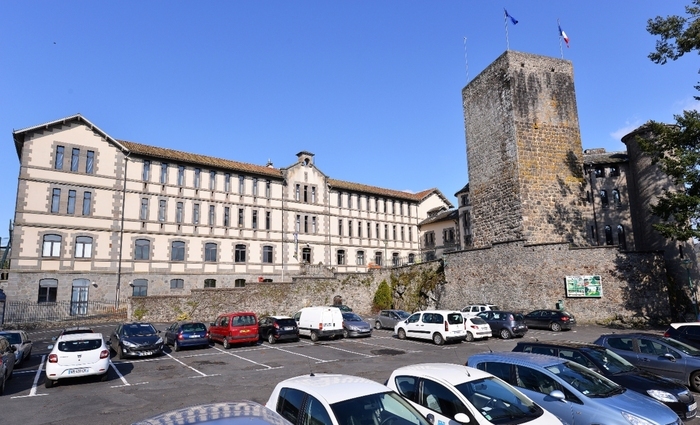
point(30, 312)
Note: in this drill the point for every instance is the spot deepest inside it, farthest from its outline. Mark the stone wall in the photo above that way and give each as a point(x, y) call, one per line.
point(522, 277)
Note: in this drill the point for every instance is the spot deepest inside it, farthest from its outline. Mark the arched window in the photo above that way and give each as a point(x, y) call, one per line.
point(239, 283)
point(267, 254)
point(306, 255)
point(51, 246)
point(239, 254)
point(83, 247)
point(140, 288)
point(79, 297)
point(177, 251)
point(142, 249)
point(210, 283)
point(616, 197)
point(360, 258)
point(608, 235)
point(47, 290)
point(604, 198)
point(177, 283)
point(395, 259)
point(621, 241)
point(411, 258)
point(341, 257)
point(378, 258)
point(210, 251)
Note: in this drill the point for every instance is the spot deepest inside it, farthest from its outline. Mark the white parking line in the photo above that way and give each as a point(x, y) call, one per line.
point(347, 351)
point(126, 384)
point(201, 373)
point(301, 355)
point(32, 392)
point(386, 346)
point(266, 367)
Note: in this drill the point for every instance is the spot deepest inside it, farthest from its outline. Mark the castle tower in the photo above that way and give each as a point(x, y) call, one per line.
point(524, 152)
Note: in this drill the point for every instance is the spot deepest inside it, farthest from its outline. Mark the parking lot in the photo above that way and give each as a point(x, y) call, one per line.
point(140, 388)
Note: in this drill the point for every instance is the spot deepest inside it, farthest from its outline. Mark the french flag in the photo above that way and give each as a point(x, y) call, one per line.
point(563, 35)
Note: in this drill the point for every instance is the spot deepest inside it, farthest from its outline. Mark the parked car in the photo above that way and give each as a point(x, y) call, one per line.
point(240, 327)
point(75, 355)
point(573, 393)
point(23, 345)
point(477, 328)
point(436, 325)
point(354, 326)
point(278, 328)
point(389, 318)
point(7, 362)
point(442, 391)
point(242, 412)
point(319, 322)
point(341, 400)
point(474, 309)
point(688, 333)
point(505, 324)
point(617, 369)
point(660, 355)
point(136, 339)
point(187, 334)
point(555, 320)
point(72, 330)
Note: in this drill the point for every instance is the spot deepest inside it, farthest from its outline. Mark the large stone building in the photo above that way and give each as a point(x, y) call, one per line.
point(98, 219)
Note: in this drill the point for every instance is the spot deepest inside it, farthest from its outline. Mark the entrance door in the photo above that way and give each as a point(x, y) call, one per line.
point(79, 297)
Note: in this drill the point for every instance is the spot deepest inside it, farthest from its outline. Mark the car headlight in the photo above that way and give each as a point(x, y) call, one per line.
point(160, 341)
point(663, 396)
point(127, 343)
point(636, 420)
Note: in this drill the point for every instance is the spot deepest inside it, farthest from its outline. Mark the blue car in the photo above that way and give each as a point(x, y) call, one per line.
point(573, 393)
point(187, 334)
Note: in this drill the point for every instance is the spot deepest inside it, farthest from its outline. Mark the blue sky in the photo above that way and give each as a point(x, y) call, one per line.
point(372, 88)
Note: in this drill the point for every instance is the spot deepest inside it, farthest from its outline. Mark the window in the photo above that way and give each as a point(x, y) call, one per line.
point(161, 209)
point(378, 258)
point(298, 224)
point(340, 200)
point(255, 186)
point(254, 219)
point(360, 258)
point(58, 161)
point(369, 229)
point(227, 182)
point(410, 235)
point(51, 246)
point(146, 175)
point(71, 202)
point(448, 235)
point(210, 283)
point(350, 228)
point(297, 192)
point(386, 232)
point(240, 217)
point(615, 170)
point(177, 283)
point(268, 220)
point(178, 214)
point(315, 413)
point(79, 297)
point(376, 205)
point(212, 180)
point(430, 239)
point(268, 188)
point(341, 257)
point(290, 404)
point(239, 255)
point(393, 232)
point(376, 231)
point(90, 163)
point(306, 193)
point(306, 255)
point(195, 213)
point(180, 175)
point(349, 200)
point(604, 198)
point(139, 288)
point(55, 200)
point(313, 195)
point(402, 233)
point(239, 283)
point(83, 247)
point(227, 216)
point(599, 172)
point(47, 290)
point(87, 203)
point(197, 177)
point(395, 259)
point(210, 250)
point(440, 399)
point(621, 241)
point(306, 224)
point(163, 172)
point(411, 258)
point(267, 254)
point(241, 185)
point(177, 251)
point(74, 159)
point(608, 235)
point(144, 209)
point(340, 227)
point(212, 215)
point(142, 249)
point(359, 229)
point(616, 197)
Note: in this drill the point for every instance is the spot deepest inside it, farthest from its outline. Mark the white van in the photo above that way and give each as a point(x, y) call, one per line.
point(319, 322)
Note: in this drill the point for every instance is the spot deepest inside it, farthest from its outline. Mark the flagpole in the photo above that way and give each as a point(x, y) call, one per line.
point(466, 63)
point(505, 24)
point(561, 50)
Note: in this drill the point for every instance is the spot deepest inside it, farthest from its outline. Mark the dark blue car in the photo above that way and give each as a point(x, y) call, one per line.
point(187, 334)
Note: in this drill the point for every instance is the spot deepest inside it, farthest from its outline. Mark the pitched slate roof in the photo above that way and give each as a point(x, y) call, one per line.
point(451, 215)
point(599, 156)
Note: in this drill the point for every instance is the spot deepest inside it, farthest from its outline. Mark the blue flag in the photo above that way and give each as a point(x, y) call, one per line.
point(512, 19)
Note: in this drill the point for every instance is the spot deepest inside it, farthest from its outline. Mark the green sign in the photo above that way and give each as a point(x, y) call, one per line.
point(584, 287)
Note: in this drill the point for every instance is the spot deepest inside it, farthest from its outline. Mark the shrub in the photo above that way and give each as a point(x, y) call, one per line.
point(382, 298)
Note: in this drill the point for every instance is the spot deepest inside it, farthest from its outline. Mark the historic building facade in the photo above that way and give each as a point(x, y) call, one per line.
point(99, 218)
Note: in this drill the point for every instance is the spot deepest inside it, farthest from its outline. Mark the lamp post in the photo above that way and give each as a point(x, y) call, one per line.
point(693, 297)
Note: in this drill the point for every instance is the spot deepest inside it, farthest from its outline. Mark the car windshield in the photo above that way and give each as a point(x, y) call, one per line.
point(79, 345)
point(194, 327)
point(610, 361)
point(687, 349)
point(585, 380)
point(498, 402)
point(351, 317)
point(286, 322)
point(478, 321)
point(13, 338)
point(139, 329)
point(402, 314)
point(389, 408)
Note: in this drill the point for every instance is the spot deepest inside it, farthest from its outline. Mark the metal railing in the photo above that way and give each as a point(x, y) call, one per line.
point(29, 312)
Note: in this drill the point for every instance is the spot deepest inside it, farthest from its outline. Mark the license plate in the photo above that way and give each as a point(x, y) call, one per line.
point(288, 328)
point(195, 336)
point(460, 332)
point(78, 370)
point(145, 353)
point(693, 406)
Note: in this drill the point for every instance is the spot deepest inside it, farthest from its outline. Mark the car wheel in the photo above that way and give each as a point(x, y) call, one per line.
point(695, 381)
point(470, 337)
point(226, 344)
point(345, 333)
point(377, 325)
point(48, 383)
point(176, 346)
point(401, 334)
point(555, 327)
point(120, 354)
point(504, 334)
point(438, 339)
point(313, 336)
point(271, 338)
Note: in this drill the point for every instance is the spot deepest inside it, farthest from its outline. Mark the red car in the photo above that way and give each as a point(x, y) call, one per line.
point(235, 328)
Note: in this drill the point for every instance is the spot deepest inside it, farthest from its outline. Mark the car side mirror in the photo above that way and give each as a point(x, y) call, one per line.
point(669, 356)
point(558, 395)
point(462, 418)
point(431, 418)
point(53, 338)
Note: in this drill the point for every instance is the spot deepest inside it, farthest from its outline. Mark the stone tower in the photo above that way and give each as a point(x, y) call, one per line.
point(524, 152)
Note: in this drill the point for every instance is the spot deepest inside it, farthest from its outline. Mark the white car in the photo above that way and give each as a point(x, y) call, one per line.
point(436, 325)
point(474, 309)
point(477, 328)
point(341, 400)
point(23, 345)
point(450, 394)
point(77, 355)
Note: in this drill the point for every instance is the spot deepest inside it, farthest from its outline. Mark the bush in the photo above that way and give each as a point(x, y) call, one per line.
point(382, 298)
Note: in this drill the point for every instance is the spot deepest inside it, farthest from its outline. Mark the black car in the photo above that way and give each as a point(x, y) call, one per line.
point(617, 369)
point(136, 339)
point(505, 324)
point(187, 334)
point(555, 320)
point(685, 332)
point(278, 328)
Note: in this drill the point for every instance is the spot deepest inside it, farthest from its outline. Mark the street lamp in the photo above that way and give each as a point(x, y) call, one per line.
point(693, 299)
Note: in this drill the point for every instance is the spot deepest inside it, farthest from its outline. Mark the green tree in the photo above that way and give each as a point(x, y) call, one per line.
point(382, 298)
point(676, 148)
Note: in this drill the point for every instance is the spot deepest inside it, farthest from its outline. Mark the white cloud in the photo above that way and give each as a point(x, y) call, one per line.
point(625, 130)
point(686, 105)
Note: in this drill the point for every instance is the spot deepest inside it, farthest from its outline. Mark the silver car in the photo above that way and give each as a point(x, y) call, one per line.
point(354, 326)
point(23, 345)
point(389, 318)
